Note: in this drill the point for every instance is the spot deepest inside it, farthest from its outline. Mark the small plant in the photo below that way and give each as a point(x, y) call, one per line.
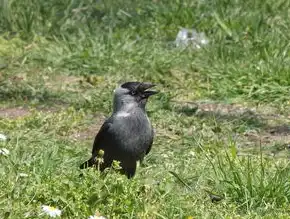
point(251, 181)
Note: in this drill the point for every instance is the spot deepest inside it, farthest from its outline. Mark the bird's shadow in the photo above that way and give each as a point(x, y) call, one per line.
point(252, 129)
point(240, 116)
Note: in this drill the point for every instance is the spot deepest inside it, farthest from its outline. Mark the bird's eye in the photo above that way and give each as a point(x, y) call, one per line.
point(133, 93)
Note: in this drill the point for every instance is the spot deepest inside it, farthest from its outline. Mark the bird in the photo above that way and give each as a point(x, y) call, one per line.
point(127, 135)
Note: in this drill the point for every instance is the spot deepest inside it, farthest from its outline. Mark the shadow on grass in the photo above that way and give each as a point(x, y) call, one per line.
point(245, 119)
point(29, 95)
point(16, 89)
point(222, 113)
point(275, 139)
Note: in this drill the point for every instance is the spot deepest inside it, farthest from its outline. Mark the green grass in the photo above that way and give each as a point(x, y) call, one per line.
point(61, 61)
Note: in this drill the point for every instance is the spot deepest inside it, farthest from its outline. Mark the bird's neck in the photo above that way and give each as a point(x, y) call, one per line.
point(128, 109)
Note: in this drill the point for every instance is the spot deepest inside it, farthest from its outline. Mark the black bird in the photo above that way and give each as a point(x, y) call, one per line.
point(126, 136)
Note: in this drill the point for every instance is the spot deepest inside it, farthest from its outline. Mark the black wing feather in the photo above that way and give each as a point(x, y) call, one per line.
point(99, 139)
point(101, 136)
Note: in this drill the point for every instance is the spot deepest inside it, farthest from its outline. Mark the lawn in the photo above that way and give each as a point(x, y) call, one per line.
point(222, 117)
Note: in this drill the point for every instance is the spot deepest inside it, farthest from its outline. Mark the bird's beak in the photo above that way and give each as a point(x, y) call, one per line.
point(143, 88)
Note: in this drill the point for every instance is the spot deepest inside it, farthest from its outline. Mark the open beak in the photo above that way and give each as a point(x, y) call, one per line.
point(143, 88)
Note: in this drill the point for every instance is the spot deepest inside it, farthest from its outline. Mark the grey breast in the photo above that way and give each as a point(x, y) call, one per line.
point(133, 134)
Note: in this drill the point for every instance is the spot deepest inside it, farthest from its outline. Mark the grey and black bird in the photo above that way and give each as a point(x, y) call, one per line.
point(127, 135)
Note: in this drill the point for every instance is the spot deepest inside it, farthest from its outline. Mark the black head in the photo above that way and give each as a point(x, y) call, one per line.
point(139, 89)
point(132, 94)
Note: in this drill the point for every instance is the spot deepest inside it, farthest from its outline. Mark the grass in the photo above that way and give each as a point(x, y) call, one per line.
point(61, 61)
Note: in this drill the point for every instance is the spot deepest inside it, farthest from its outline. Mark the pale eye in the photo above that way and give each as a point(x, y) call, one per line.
point(132, 93)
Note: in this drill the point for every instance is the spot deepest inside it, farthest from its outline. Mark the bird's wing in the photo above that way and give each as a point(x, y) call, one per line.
point(103, 133)
point(100, 139)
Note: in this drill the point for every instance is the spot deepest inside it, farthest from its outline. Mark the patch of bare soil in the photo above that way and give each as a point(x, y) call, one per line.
point(63, 82)
point(68, 79)
point(53, 109)
point(275, 129)
point(19, 112)
point(13, 113)
point(276, 136)
point(266, 138)
point(90, 131)
point(224, 108)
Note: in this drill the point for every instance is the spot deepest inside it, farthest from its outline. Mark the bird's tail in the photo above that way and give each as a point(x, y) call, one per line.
point(88, 163)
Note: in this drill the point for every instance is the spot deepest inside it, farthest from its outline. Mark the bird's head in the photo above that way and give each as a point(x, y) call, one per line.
point(133, 94)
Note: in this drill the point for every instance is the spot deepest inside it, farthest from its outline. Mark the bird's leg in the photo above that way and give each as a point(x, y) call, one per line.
point(129, 169)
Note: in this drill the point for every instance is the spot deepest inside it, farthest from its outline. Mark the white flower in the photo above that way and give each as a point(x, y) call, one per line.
point(23, 175)
point(4, 151)
point(96, 217)
point(51, 211)
point(27, 214)
point(164, 155)
point(191, 153)
point(3, 137)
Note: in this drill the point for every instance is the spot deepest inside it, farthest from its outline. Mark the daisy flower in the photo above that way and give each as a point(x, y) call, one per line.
point(96, 217)
point(4, 151)
point(23, 175)
point(3, 137)
point(51, 211)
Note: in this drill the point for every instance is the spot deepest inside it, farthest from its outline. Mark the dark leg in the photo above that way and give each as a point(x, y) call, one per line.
point(129, 169)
